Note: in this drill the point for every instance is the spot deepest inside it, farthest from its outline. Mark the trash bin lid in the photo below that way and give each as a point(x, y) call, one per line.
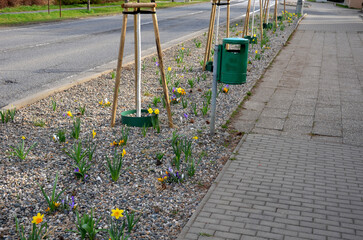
point(241, 41)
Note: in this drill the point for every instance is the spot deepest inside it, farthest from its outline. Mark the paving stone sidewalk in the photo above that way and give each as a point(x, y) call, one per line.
point(299, 172)
point(285, 188)
point(313, 90)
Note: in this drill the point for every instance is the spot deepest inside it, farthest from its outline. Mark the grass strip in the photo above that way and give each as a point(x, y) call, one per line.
point(114, 8)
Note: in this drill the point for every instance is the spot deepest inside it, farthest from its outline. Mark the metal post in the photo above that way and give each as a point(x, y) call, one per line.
point(299, 7)
point(253, 17)
point(217, 27)
point(138, 76)
point(214, 91)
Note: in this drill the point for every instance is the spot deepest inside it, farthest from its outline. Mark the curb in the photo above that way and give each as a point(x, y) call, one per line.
point(201, 205)
point(83, 77)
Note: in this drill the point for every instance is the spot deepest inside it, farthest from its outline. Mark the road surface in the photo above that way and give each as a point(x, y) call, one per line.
point(37, 57)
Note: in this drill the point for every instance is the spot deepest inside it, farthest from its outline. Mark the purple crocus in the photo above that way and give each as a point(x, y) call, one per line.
point(157, 64)
point(71, 205)
point(186, 115)
point(76, 170)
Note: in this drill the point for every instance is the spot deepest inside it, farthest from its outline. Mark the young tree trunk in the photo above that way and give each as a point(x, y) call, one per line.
point(88, 5)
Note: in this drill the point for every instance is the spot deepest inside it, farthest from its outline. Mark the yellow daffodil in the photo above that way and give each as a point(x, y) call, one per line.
point(150, 110)
point(117, 213)
point(38, 218)
point(179, 90)
point(169, 69)
point(236, 24)
point(195, 138)
point(254, 35)
point(69, 114)
point(101, 102)
point(256, 51)
point(93, 134)
point(123, 152)
point(156, 111)
point(182, 48)
point(107, 103)
point(23, 137)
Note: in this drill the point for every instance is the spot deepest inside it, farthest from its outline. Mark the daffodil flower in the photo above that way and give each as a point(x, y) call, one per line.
point(55, 137)
point(23, 137)
point(123, 152)
point(150, 110)
point(169, 69)
point(256, 51)
point(69, 114)
point(93, 134)
point(156, 111)
point(195, 138)
point(117, 213)
point(38, 218)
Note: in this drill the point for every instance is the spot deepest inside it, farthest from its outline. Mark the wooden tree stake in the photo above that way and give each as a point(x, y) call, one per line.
point(162, 70)
point(208, 46)
point(210, 34)
point(261, 24)
point(118, 70)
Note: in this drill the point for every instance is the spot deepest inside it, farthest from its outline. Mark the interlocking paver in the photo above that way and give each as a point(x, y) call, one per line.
point(317, 209)
point(309, 186)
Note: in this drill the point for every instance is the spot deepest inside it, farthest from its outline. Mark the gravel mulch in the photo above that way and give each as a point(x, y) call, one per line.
point(164, 209)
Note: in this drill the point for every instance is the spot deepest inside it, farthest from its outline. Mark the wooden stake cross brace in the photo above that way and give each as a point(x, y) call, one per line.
point(137, 12)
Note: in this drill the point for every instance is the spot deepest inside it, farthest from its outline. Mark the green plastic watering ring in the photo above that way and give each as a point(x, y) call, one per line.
point(136, 121)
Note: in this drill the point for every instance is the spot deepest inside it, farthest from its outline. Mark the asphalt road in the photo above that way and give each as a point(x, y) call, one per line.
point(37, 57)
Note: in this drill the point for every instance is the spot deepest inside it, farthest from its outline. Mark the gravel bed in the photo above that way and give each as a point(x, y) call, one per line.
point(164, 209)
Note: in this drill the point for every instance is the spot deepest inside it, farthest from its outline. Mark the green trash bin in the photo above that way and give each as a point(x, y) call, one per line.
point(232, 67)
